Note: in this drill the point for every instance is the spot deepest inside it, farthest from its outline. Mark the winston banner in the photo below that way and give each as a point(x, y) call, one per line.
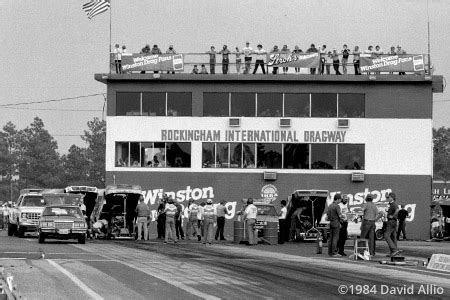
point(299, 60)
point(392, 63)
point(149, 62)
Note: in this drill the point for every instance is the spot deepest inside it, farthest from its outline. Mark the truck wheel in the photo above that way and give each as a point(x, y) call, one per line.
point(82, 239)
point(41, 238)
point(379, 234)
point(11, 229)
point(20, 233)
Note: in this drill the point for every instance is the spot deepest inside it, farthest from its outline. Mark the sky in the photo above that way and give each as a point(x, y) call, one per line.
point(51, 50)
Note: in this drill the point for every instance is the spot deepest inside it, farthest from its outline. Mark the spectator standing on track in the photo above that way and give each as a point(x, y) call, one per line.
point(390, 235)
point(247, 50)
point(282, 222)
point(170, 211)
point(402, 215)
point(250, 218)
point(225, 59)
point(212, 60)
point(179, 221)
point(343, 234)
point(209, 218)
point(260, 59)
point(221, 211)
point(142, 213)
point(334, 216)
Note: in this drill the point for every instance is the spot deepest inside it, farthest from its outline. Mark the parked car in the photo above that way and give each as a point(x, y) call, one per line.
point(62, 222)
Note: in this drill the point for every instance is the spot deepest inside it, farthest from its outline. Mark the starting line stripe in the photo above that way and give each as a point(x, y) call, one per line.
point(77, 281)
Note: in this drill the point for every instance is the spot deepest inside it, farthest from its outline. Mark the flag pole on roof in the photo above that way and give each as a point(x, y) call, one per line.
point(95, 7)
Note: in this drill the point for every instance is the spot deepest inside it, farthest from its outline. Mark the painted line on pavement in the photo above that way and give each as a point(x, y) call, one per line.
point(91, 293)
point(53, 253)
point(13, 258)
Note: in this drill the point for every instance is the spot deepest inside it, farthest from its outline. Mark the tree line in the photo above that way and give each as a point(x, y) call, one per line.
point(29, 158)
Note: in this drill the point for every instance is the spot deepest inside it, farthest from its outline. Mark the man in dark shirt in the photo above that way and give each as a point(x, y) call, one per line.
point(390, 235)
point(334, 216)
point(402, 215)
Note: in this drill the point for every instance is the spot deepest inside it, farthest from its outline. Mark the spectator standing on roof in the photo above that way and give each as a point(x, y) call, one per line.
point(312, 49)
point(328, 62)
point(392, 52)
point(284, 53)
point(212, 60)
point(335, 56)
point(171, 51)
point(145, 51)
point(250, 218)
point(225, 59)
point(390, 235)
point(142, 215)
point(345, 54)
point(118, 58)
point(260, 59)
point(378, 52)
point(401, 52)
point(368, 52)
point(238, 60)
point(402, 215)
point(247, 50)
point(282, 222)
point(155, 50)
point(356, 57)
point(209, 218)
point(273, 53)
point(323, 54)
point(170, 211)
point(221, 211)
point(343, 234)
point(334, 216)
point(297, 51)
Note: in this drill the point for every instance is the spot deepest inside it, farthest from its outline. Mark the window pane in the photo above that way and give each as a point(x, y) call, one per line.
point(296, 156)
point(270, 105)
point(216, 104)
point(179, 155)
point(296, 105)
point(179, 104)
point(324, 105)
point(351, 105)
point(153, 104)
point(235, 155)
point(122, 154)
point(155, 155)
point(243, 104)
point(351, 156)
point(208, 155)
point(146, 154)
point(222, 155)
point(128, 104)
point(323, 156)
point(249, 156)
point(269, 156)
point(135, 155)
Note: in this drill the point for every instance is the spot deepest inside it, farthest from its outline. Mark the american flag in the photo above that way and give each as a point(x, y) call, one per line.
point(95, 7)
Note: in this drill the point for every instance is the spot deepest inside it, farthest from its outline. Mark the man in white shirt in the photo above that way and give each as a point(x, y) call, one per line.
point(247, 50)
point(343, 234)
point(261, 55)
point(282, 222)
point(250, 218)
point(118, 58)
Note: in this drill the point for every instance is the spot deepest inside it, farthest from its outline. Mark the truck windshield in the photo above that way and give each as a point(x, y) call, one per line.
point(266, 210)
point(33, 201)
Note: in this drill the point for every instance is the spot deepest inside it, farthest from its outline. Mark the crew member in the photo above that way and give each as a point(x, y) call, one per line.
point(161, 219)
point(390, 235)
point(402, 215)
point(370, 216)
point(250, 218)
point(334, 216)
point(192, 224)
point(142, 215)
point(221, 211)
point(282, 222)
point(343, 234)
point(209, 218)
point(170, 211)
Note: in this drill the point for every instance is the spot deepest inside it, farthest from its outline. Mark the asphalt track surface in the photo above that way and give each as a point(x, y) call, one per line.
point(123, 269)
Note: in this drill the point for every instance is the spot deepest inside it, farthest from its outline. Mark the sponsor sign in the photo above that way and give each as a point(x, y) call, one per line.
point(149, 62)
point(439, 262)
point(392, 63)
point(298, 60)
point(269, 192)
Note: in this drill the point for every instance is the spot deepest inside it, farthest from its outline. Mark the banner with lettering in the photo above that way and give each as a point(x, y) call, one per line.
point(392, 63)
point(298, 60)
point(149, 62)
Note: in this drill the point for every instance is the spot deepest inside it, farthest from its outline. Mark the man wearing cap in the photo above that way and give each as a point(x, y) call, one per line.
point(370, 216)
point(209, 218)
point(390, 235)
point(260, 58)
point(247, 50)
point(250, 218)
point(334, 216)
point(343, 234)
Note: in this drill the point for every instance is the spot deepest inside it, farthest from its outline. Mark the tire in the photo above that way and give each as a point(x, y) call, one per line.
point(41, 238)
point(20, 233)
point(11, 229)
point(82, 239)
point(379, 234)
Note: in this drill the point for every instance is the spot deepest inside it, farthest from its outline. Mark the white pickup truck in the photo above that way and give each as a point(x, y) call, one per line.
point(24, 215)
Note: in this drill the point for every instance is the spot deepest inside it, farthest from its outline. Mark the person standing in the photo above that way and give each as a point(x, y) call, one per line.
point(209, 220)
point(201, 209)
point(284, 53)
point(192, 224)
point(370, 216)
point(402, 215)
point(225, 59)
point(390, 235)
point(170, 211)
point(212, 60)
point(221, 211)
point(297, 51)
point(179, 221)
point(275, 51)
point(282, 222)
point(247, 50)
point(334, 216)
point(238, 60)
point(401, 52)
point(335, 56)
point(356, 58)
point(250, 218)
point(260, 58)
point(171, 51)
point(142, 213)
point(118, 58)
point(312, 49)
point(345, 54)
point(161, 219)
point(323, 54)
point(343, 234)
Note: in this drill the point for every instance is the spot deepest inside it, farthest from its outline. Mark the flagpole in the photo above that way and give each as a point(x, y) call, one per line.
point(110, 34)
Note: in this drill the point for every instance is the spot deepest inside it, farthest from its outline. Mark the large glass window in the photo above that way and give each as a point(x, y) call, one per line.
point(179, 104)
point(179, 155)
point(243, 104)
point(351, 106)
point(296, 105)
point(235, 155)
point(270, 104)
point(324, 105)
point(122, 150)
point(248, 156)
point(128, 104)
point(153, 104)
point(323, 156)
point(222, 155)
point(216, 104)
point(208, 150)
point(135, 155)
point(269, 156)
point(351, 156)
point(296, 156)
point(154, 154)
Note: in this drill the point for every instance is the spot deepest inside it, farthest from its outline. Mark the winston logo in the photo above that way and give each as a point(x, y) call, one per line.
point(182, 195)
